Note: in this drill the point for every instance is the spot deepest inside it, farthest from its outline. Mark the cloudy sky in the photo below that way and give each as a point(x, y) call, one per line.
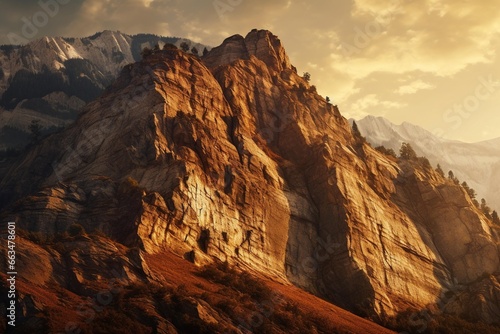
point(429, 62)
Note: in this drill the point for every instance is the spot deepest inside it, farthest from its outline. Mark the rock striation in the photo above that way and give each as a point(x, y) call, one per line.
point(235, 157)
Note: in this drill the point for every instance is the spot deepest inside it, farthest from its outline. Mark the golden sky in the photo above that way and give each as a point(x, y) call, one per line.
point(433, 63)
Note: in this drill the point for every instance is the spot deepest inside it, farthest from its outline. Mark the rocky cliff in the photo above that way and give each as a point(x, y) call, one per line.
point(235, 157)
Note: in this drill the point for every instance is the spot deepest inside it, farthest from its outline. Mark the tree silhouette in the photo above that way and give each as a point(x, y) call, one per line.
point(184, 46)
point(386, 151)
point(194, 51)
point(485, 208)
point(494, 218)
point(452, 177)
point(355, 129)
point(439, 170)
point(425, 162)
point(406, 152)
point(358, 138)
point(146, 52)
point(469, 190)
point(307, 76)
point(35, 130)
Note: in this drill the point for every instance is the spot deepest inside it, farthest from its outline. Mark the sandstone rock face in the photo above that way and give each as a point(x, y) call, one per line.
point(234, 157)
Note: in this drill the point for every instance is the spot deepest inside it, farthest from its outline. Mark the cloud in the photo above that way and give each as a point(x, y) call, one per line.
point(413, 87)
point(443, 38)
point(370, 103)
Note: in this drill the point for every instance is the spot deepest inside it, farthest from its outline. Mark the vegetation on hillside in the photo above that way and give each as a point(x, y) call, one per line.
point(407, 153)
point(242, 303)
point(413, 321)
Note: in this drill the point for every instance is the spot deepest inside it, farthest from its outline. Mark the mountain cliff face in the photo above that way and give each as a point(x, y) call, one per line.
point(52, 78)
point(476, 163)
point(235, 157)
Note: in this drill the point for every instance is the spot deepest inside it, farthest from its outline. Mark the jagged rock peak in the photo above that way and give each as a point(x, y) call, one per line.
point(259, 43)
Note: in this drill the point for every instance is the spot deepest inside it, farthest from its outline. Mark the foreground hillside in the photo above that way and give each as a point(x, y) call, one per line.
point(167, 294)
point(235, 158)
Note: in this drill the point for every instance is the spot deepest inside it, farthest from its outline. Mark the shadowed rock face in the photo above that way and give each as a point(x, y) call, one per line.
point(234, 157)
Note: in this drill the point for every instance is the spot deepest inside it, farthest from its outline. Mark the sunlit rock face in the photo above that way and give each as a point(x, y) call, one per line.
point(235, 157)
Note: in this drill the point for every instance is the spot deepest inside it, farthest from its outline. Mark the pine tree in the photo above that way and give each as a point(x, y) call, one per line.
point(146, 52)
point(307, 76)
point(184, 46)
point(355, 129)
point(485, 208)
point(386, 151)
point(35, 130)
point(406, 152)
point(439, 170)
point(453, 178)
point(358, 138)
point(469, 190)
point(494, 218)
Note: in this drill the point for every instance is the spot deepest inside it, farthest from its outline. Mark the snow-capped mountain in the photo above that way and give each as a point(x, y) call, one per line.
point(476, 163)
point(52, 78)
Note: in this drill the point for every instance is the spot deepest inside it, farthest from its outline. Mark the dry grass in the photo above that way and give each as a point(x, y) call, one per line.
point(259, 304)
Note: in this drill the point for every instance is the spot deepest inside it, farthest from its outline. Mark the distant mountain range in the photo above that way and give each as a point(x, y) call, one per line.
point(476, 163)
point(52, 78)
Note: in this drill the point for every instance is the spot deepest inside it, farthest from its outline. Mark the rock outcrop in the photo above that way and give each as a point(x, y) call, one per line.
point(235, 157)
